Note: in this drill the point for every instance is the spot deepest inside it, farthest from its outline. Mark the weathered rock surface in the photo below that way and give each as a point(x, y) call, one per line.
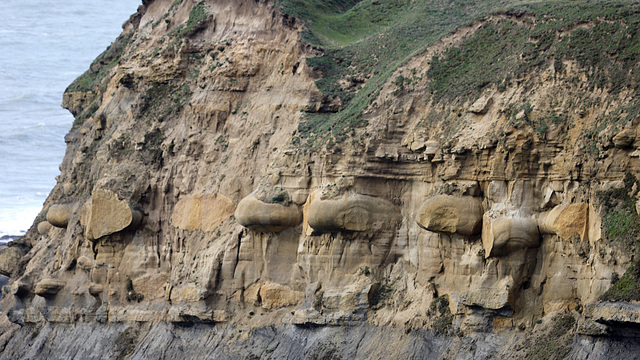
point(503, 235)
point(202, 110)
point(451, 214)
point(48, 287)
point(107, 214)
point(260, 216)
point(9, 260)
point(202, 212)
point(566, 221)
point(352, 212)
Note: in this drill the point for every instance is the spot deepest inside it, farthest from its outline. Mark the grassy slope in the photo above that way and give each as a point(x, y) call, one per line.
point(372, 38)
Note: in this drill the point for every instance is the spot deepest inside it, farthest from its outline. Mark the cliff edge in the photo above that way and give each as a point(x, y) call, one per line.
point(343, 179)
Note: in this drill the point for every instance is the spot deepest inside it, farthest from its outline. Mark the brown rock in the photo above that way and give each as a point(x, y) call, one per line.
point(44, 227)
point(565, 221)
point(503, 235)
point(481, 106)
point(9, 260)
point(451, 214)
point(85, 263)
point(353, 212)
point(624, 139)
point(201, 212)
point(109, 215)
point(48, 287)
point(276, 296)
point(260, 216)
point(58, 215)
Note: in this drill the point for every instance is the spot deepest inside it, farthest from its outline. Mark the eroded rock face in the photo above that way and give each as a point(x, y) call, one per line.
point(451, 214)
point(503, 235)
point(202, 212)
point(260, 216)
point(230, 99)
point(352, 212)
point(58, 215)
point(107, 214)
point(276, 296)
point(9, 260)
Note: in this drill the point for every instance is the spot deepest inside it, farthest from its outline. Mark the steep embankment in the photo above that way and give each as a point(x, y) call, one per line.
point(343, 179)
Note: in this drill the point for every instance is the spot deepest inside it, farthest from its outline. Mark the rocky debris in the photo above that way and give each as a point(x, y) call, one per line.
point(566, 221)
point(9, 259)
point(260, 216)
point(503, 235)
point(58, 215)
point(353, 212)
point(48, 287)
point(106, 214)
point(451, 214)
point(201, 212)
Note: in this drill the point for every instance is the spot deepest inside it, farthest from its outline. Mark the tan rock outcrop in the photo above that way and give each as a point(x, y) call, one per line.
point(494, 297)
point(58, 215)
point(565, 221)
point(502, 235)
point(353, 212)
point(260, 216)
point(107, 214)
point(48, 287)
point(9, 260)
point(275, 296)
point(451, 214)
point(201, 212)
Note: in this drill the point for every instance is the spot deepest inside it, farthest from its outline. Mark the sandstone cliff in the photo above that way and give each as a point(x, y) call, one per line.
point(240, 184)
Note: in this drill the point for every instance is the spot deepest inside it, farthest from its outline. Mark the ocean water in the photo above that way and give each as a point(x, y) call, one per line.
point(44, 46)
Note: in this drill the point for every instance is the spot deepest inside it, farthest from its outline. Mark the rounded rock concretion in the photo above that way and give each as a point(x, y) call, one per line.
point(503, 235)
point(58, 215)
point(353, 212)
point(451, 214)
point(260, 216)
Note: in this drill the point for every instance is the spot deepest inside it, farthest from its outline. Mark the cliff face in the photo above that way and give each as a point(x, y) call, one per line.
point(205, 207)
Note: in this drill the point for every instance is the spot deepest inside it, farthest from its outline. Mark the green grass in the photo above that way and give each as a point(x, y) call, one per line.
point(162, 100)
point(371, 39)
point(95, 79)
point(197, 16)
point(620, 221)
point(627, 288)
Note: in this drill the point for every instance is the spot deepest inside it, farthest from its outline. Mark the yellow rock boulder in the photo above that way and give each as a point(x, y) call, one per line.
point(106, 215)
point(451, 214)
point(58, 215)
point(502, 235)
point(353, 212)
point(260, 216)
point(566, 221)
